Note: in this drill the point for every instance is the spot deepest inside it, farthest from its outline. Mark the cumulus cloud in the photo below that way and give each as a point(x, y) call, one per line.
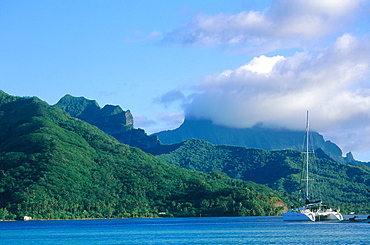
point(287, 23)
point(261, 65)
point(276, 91)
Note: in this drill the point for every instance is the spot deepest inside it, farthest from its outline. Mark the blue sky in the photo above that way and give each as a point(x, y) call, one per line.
point(236, 62)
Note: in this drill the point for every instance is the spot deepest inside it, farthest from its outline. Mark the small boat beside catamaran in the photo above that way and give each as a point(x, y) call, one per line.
point(311, 211)
point(357, 219)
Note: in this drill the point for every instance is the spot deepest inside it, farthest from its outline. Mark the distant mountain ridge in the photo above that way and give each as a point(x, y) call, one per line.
point(114, 121)
point(256, 137)
point(111, 119)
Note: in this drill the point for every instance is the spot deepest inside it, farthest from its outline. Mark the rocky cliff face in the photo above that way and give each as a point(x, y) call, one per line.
point(256, 137)
point(110, 119)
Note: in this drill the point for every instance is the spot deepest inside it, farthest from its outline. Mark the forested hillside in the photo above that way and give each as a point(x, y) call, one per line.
point(339, 184)
point(55, 166)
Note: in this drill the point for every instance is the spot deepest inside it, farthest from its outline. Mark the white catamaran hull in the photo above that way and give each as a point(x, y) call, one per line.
point(299, 216)
point(307, 215)
point(331, 215)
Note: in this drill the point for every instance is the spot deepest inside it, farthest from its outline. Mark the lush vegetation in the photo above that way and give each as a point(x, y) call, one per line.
point(54, 166)
point(340, 184)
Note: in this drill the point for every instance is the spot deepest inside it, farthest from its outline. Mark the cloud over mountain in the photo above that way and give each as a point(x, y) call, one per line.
point(277, 91)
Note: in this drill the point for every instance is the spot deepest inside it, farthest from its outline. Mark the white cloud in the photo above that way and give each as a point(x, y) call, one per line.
point(286, 24)
point(310, 19)
point(278, 90)
point(262, 64)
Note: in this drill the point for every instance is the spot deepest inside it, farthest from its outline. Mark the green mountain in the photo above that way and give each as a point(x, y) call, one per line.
point(340, 184)
point(256, 137)
point(110, 119)
point(55, 166)
point(278, 169)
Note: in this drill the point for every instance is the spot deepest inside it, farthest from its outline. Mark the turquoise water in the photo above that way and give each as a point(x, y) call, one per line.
point(230, 230)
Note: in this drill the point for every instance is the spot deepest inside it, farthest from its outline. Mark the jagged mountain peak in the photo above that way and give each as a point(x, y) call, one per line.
point(77, 106)
point(111, 119)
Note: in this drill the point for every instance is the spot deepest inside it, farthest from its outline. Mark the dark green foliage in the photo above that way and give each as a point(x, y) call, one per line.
point(339, 184)
point(55, 166)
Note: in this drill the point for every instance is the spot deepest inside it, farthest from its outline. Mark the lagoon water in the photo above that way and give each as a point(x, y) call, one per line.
point(226, 230)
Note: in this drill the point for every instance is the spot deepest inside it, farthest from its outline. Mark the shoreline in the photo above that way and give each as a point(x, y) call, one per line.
point(345, 216)
point(79, 219)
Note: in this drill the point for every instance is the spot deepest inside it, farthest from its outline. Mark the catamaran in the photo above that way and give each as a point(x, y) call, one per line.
point(311, 211)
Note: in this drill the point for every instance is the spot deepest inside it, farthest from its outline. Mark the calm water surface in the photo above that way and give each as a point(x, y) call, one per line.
point(234, 230)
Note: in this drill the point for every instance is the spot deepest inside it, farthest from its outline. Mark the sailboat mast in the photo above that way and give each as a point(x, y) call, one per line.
point(307, 141)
